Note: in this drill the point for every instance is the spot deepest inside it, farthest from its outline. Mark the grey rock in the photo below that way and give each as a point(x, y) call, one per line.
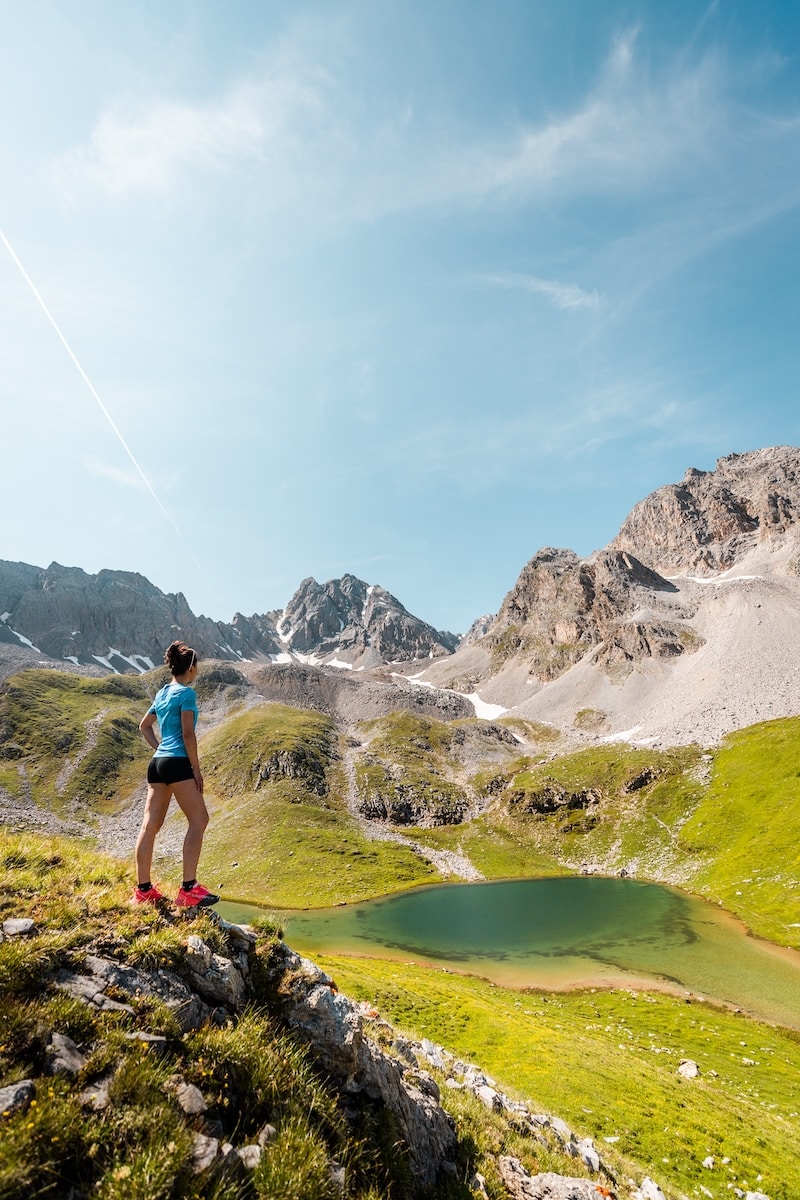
point(489, 1098)
point(190, 1099)
point(119, 618)
point(96, 1096)
point(154, 1041)
point(404, 1050)
point(249, 1156)
point(215, 977)
point(587, 1152)
point(522, 1185)
point(16, 1097)
point(337, 1176)
point(648, 1190)
point(267, 1136)
point(18, 927)
point(334, 1029)
point(712, 518)
point(355, 621)
point(688, 1068)
point(63, 1057)
point(205, 1151)
point(187, 1007)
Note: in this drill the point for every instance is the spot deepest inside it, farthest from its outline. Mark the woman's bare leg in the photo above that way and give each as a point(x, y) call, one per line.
point(155, 810)
point(193, 806)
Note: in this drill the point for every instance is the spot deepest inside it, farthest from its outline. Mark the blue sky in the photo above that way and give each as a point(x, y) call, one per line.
point(407, 289)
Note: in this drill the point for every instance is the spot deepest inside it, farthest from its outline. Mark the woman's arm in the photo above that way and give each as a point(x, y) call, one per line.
point(190, 742)
point(147, 725)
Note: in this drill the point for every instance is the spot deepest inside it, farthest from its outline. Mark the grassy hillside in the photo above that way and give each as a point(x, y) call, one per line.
point(138, 1147)
point(724, 824)
point(250, 1069)
point(67, 740)
point(606, 1061)
point(609, 807)
point(745, 831)
point(281, 833)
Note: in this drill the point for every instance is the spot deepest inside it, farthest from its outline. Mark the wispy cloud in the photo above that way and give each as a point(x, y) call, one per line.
point(118, 475)
point(313, 143)
point(561, 295)
point(146, 147)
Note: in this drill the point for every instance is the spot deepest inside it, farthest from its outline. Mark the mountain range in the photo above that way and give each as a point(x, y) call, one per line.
point(683, 627)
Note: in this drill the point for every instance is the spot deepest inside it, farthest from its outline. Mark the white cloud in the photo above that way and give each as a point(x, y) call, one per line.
point(150, 149)
point(561, 295)
point(125, 477)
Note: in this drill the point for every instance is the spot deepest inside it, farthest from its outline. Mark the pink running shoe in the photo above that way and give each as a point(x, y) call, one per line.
point(151, 896)
point(196, 897)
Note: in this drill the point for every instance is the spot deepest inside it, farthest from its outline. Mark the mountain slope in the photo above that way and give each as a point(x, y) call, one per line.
point(119, 621)
point(685, 627)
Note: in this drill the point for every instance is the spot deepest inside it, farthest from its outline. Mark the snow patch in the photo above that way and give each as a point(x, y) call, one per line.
point(281, 658)
point(25, 641)
point(105, 663)
point(626, 735)
point(486, 712)
point(338, 662)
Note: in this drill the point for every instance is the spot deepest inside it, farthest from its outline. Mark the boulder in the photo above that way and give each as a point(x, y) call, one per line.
point(63, 1057)
point(522, 1185)
point(16, 1097)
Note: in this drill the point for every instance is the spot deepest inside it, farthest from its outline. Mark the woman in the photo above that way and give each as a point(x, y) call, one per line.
point(174, 770)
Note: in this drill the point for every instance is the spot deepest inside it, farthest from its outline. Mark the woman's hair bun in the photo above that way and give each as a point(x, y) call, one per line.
point(179, 658)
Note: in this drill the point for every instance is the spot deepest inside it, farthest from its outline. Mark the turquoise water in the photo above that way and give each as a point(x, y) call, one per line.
point(563, 932)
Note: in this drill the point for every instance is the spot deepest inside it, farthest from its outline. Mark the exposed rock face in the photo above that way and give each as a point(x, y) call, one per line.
point(338, 694)
point(119, 620)
point(350, 618)
point(335, 1028)
point(562, 605)
point(709, 520)
point(115, 618)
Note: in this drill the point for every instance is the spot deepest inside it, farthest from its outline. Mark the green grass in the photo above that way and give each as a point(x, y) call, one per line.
point(746, 830)
point(280, 834)
point(292, 852)
point(606, 1062)
point(48, 718)
point(251, 1070)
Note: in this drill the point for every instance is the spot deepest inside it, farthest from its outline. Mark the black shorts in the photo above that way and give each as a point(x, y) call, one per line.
point(163, 769)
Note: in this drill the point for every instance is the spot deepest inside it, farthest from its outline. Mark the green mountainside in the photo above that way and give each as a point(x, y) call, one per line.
point(724, 824)
point(291, 792)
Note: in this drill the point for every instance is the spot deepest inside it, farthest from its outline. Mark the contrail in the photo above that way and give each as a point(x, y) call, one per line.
point(93, 390)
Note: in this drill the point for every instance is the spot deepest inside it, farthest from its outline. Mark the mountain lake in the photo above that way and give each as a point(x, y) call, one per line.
point(564, 932)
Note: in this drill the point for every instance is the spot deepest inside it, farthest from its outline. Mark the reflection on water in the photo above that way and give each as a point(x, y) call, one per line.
point(563, 932)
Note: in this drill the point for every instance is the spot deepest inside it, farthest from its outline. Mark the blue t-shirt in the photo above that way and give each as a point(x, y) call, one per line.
point(171, 701)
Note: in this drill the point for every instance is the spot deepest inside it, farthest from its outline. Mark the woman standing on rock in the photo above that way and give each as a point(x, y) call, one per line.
point(174, 770)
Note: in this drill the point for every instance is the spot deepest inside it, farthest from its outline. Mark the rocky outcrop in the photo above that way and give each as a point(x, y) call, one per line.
point(120, 621)
point(563, 606)
point(115, 619)
point(339, 695)
point(352, 1046)
point(335, 1028)
point(356, 621)
point(711, 519)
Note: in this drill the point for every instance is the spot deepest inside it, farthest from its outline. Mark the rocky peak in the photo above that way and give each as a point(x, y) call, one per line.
point(354, 620)
point(562, 606)
point(711, 519)
point(121, 621)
